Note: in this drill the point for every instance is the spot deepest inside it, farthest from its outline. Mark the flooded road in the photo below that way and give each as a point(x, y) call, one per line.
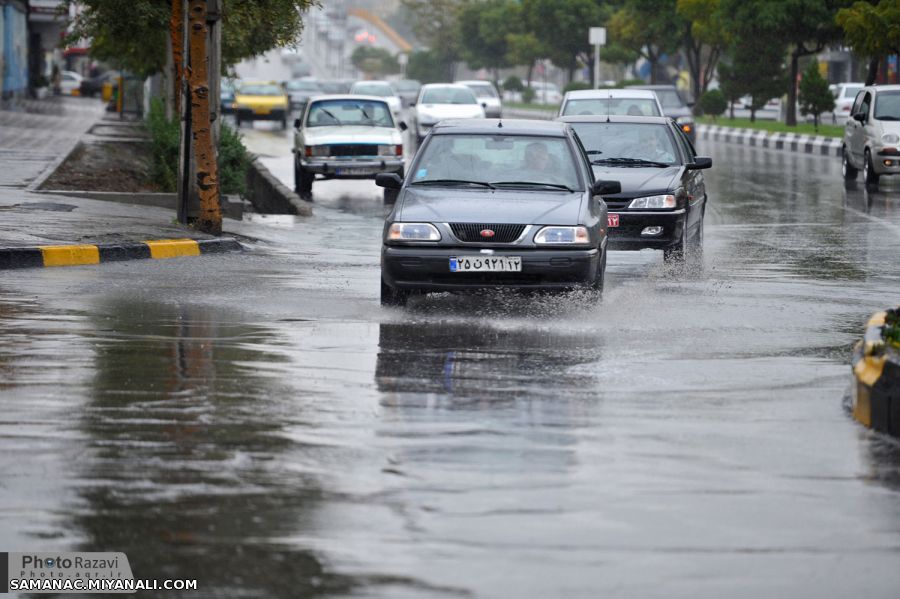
point(260, 423)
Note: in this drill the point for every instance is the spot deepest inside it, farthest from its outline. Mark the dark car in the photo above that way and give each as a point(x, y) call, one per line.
point(300, 91)
point(495, 204)
point(663, 196)
point(407, 90)
point(92, 86)
point(674, 106)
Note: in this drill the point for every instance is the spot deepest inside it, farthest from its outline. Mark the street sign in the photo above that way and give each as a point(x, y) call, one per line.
point(597, 36)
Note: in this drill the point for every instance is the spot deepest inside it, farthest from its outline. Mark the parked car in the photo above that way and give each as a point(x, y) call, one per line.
point(490, 205)
point(636, 102)
point(872, 134)
point(844, 95)
point(674, 106)
point(487, 95)
point(301, 90)
point(92, 86)
point(407, 90)
point(439, 101)
point(226, 96)
point(261, 101)
point(346, 137)
point(336, 86)
point(663, 197)
point(381, 89)
point(70, 83)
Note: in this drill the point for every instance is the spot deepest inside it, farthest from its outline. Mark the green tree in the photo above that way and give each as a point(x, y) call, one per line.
point(705, 38)
point(648, 28)
point(374, 61)
point(561, 26)
point(435, 22)
point(729, 85)
point(524, 49)
point(485, 28)
point(815, 97)
point(872, 31)
point(713, 103)
point(428, 66)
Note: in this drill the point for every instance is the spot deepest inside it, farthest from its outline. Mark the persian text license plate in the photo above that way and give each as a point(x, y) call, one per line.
point(612, 220)
point(263, 111)
point(486, 264)
point(350, 170)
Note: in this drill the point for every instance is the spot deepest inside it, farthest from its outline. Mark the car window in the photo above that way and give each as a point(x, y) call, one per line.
point(641, 141)
point(614, 106)
point(482, 90)
point(261, 90)
point(851, 90)
point(499, 158)
point(687, 149)
point(448, 95)
point(857, 103)
point(887, 106)
point(328, 113)
point(406, 85)
point(669, 98)
point(302, 86)
point(866, 102)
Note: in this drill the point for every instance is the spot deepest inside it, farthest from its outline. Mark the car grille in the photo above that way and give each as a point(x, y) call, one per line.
point(354, 150)
point(471, 232)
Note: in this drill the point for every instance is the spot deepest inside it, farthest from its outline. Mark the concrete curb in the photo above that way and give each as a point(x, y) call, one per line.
point(789, 142)
point(80, 255)
point(875, 400)
point(232, 206)
point(270, 196)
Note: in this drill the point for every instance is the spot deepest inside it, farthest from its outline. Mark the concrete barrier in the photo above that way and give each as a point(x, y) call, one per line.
point(270, 196)
point(875, 400)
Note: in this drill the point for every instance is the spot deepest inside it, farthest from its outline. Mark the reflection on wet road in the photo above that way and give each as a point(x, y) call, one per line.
point(261, 424)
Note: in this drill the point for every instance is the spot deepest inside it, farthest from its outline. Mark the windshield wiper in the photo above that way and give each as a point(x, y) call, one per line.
point(329, 113)
point(630, 162)
point(531, 184)
point(593, 152)
point(452, 182)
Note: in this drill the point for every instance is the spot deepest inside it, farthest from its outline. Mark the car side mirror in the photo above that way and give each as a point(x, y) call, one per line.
point(388, 180)
point(700, 162)
point(296, 123)
point(605, 188)
point(402, 126)
point(484, 104)
point(859, 117)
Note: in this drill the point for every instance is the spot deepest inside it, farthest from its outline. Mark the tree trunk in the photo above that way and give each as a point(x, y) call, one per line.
point(872, 75)
point(752, 113)
point(731, 110)
point(176, 34)
point(790, 118)
point(530, 74)
point(210, 219)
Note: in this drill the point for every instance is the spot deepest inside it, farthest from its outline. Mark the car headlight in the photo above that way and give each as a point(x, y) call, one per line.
point(391, 150)
point(657, 202)
point(563, 235)
point(413, 232)
point(890, 138)
point(318, 150)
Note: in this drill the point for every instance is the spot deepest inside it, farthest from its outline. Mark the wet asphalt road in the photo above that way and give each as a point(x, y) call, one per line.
point(260, 423)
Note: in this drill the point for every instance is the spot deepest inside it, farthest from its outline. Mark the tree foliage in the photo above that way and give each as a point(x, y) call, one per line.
point(713, 103)
point(648, 28)
point(560, 26)
point(815, 97)
point(374, 61)
point(428, 66)
point(133, 34)
point(485, 28)
point(435, 22)
point(705, 38)
point(872, 31)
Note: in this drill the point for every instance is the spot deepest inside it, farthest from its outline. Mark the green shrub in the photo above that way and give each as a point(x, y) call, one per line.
point(627, 82)
point(713, 103)
point(528, 95)
point(513, 84)
point(577, 85)
point(165, 141)
point(891, 330)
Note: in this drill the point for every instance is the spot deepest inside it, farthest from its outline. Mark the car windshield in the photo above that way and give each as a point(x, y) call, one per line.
point(887, 106)
point(305, 86)
point(850, 91)
point(448, 95)
point(515, 161)
point(483, 90)
point(609, 143)
point(407, 85)
point(261, 90)
point(669, 98)
point(372, 89)
point(334, 87)
point(329, 113)
point(614, 106)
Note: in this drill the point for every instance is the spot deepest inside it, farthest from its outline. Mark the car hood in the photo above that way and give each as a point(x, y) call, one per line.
point(351, 134)
point(640, 181)
point(889, 127)
point(439, 112)
point(487, 206)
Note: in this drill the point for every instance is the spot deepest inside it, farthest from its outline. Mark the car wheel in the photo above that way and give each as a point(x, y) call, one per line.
point(675, 253)
point(599, 281)
point(393, 297)
point(847, 169)
point(869, 174)
point(695, 249)
point(303, 182)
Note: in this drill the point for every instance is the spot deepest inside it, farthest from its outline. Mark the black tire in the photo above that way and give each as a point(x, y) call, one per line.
point(848, 170)
point(695, 247)
point(303, 182)
point(600, 280)
point(393, 297)
point(675, 253)
point(869, 174)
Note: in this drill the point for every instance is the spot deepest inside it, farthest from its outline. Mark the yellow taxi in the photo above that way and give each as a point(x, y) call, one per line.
point(261, 101)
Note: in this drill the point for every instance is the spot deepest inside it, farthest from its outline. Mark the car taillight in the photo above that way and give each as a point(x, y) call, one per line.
point(398, 150)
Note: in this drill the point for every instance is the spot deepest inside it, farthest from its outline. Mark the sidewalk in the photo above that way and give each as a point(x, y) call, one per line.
point(34, 143)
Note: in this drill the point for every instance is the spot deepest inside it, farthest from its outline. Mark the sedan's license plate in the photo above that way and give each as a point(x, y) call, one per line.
point(355, 171)
point(263, 111)
point(486, 264)
point(613, 220)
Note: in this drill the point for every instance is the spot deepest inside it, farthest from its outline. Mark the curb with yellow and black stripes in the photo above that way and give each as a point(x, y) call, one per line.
point(80, 255)
point(875, 400)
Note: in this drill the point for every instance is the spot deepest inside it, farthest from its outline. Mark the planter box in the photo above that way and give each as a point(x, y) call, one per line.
point(876, 384)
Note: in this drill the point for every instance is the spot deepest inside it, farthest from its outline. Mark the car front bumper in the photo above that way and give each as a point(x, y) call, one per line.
point(352, 169)
point(428, 269)
point(249, 114)
point(882, 156)
point(628, 235)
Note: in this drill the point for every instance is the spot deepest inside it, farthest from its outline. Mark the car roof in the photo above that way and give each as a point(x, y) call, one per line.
point(502, 126)
point(475, 82)
point(372, 82)
point(603, 94)
point(615, 118)
point(883, 88)
point(450, 85)
point(643, 86)
point(353, 97)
